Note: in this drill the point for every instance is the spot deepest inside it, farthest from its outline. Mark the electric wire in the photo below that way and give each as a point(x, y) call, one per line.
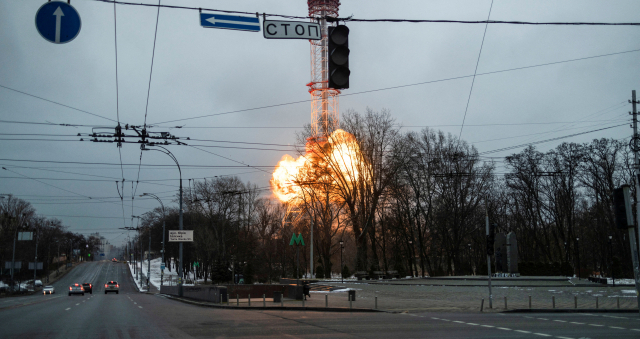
point(473, 80)
point(115, 39)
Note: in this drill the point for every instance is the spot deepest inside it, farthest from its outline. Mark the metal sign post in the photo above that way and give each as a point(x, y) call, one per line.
point(297, 240)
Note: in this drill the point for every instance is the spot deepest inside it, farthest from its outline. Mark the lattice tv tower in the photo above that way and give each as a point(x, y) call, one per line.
point(324, 100)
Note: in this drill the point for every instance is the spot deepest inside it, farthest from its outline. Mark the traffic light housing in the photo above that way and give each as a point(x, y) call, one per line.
point(491, 238)
point(338, 55)
point(622, 207)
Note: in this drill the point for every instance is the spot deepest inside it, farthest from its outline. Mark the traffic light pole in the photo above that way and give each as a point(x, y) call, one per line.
point(488, 258)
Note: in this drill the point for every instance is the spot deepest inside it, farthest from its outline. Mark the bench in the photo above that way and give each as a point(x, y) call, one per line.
point(392, 274)
point(362, 274)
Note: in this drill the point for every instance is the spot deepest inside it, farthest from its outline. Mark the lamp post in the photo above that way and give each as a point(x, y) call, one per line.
point(470, 258)
point(341, 264)
point(411, 258)
point(166, 151)
point(578, 250)
point(613, 277)
point(164, 217)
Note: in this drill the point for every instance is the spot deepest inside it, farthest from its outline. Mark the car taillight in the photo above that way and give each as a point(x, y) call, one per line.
point(70, 288)
point(105, 285)
point(118, 286)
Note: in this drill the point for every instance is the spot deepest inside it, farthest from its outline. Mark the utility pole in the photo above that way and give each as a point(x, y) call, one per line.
point(149, 261)
point(35, 263)
point(632, 231)
point(488, 255)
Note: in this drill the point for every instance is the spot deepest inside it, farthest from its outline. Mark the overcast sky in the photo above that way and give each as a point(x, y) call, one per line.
point(199, 71)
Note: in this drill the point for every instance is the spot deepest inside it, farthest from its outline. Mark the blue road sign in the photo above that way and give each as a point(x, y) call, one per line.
point(162, 266)
point(242, 23)
point(58, 22)
point(102, 254)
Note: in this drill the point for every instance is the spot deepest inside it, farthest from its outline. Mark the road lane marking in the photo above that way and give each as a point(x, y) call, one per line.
point(487, 326)
point(544, 335)
point(472, 324)
point(503, 328)
point(445, 319)
point(620, 328)
point(140, 306)
point(68, 309)
point(135, 303)
point(635, 329)
point(521, 331)
point(596, 325)
point(561, 321)
point(577, 323)
point(563, 337)
point(542, 319)
point(458, 321)
point(78, 304)
point(434, 318)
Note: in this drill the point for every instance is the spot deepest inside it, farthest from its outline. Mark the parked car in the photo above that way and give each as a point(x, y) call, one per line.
point(88, 287)
point(111, 286)
point(76, 289)
point(38, 283)
point(49, 290)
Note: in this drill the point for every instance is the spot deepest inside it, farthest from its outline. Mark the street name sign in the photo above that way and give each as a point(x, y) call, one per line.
point(58, 22)
point(241, 23)
point(291, 30)
point(39, 265)
point(180, 236)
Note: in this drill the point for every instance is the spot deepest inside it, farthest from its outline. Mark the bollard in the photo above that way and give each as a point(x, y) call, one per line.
point(350, 303)
point(326, 300)
point(596, 303)
point(282, 300)
point(249, 299)
point(303, 299)
point(505, 303)
point(376, 307)
point(482, 305)
point(575, 301)
point(618, 302)
point(553, 300)
point(237, 300)
point(264, 301)
point(529, 302)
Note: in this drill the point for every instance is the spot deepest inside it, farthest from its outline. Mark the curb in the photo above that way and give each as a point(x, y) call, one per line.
point(572, 310)
point(272, 308)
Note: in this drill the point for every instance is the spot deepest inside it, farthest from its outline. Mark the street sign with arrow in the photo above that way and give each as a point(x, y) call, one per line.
point(58, 22)
point(242, 23)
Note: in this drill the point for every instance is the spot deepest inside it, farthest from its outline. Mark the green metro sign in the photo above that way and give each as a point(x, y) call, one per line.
point(297, 239)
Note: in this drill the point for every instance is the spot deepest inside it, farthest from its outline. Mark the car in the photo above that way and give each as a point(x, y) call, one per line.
point(76, 289)
point(111, 286)
point(38, 283)
point(49, 290)
point(88, 287)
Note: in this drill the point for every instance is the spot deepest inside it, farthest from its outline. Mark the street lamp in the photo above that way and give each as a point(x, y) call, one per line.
point(341, 264)
point(411, 258)
point(166, 151)
point(613, 277)
point(578, 250)
point(470, 258)
point(164, 217)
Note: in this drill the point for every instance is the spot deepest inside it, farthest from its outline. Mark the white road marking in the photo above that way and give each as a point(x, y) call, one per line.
point(445, 319)
point(620, 328)
point(68, 309)
point(544, 335)
point(577, 323)
point(472, 324)
point(503, 328)
point(635, 329)
point(528, 317)
point(542, 319)
point(135, 303)
point(521, 331)
point(487, 326)
point(596, 325)
point(560, 321)
point(435, 318)
point(563, 337)
point(78, 304)
point(611, 316)
point(140, 306)
point(458, 321)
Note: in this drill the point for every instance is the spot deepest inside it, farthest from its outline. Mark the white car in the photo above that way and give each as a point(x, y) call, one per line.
point(49, 290)
point(38, 283)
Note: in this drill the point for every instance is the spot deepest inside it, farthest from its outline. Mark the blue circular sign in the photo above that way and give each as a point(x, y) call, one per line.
point(58, 22)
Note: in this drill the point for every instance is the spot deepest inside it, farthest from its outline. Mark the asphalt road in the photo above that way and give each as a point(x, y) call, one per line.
point(136, 315)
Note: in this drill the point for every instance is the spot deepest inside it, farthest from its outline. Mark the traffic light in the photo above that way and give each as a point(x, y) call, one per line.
point(491, 238)
point(622, 207)
point(338, 55)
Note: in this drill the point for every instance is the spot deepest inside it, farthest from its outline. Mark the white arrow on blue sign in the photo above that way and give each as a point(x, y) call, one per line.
point(58, 22)
point(242, 23)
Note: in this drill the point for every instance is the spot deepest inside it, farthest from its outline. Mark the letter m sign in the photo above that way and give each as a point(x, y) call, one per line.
point(297, 239)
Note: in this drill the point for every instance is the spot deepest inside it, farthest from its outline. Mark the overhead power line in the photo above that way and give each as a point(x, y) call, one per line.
point(351, 19)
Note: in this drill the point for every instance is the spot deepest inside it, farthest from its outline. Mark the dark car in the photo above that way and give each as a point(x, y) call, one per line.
point(76, 289)
point(88, 287)
point(112, 286)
